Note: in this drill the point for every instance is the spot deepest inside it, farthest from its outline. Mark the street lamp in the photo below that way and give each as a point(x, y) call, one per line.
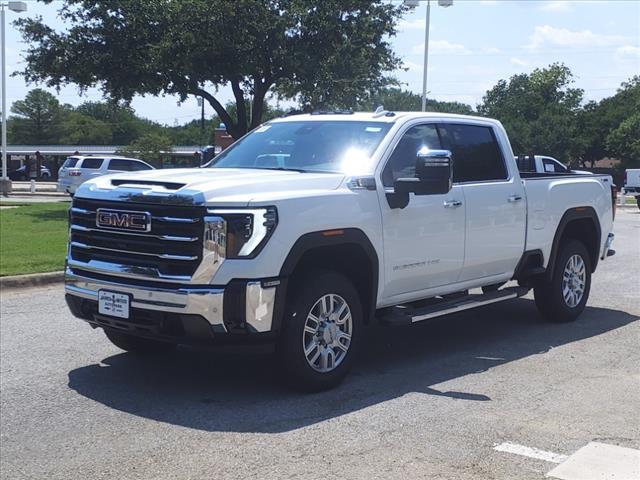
point(5, 183)
point(415, 3)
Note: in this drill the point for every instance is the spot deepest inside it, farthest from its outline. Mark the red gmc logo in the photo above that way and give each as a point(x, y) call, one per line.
point(123, 220)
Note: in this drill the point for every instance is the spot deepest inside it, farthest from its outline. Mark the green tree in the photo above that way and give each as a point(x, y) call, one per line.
point(153, 148)
point(399, 100)
point(539, 111)
point(79, 129)
point(36, 119)
point(624, 141)
point(598, 119)
point(318, 52)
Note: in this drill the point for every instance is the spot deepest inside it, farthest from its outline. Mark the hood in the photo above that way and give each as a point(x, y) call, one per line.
point(200, 186)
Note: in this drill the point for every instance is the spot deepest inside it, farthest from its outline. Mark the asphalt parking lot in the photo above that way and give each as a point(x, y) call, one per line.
point(430, 401)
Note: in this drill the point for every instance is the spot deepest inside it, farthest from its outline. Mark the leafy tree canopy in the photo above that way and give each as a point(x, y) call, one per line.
point(36, 118)
point(153, 148)
point(539, 111)
point(318, 52)
point(399, 100)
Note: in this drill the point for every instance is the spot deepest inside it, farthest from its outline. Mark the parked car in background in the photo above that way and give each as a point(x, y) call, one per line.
point(78, 169)
point(632, 183)
point(544, 164)
point(20, 174)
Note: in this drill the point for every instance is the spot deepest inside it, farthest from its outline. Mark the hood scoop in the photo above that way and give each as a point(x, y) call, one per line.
point(146, 184)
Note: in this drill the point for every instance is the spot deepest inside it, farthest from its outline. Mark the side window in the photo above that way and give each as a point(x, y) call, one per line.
point(476, 153)
point(135, 166)
point(549, 166)
point(120, 165)
point(92, 163)
point(402, 163)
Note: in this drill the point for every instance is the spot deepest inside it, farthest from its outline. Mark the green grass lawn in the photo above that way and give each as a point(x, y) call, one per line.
point(33, 238)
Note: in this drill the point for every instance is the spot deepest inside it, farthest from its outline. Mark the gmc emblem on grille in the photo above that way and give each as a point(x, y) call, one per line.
point(123, 220)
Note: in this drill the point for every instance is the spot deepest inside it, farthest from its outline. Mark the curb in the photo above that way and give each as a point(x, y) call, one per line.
point(31, 280)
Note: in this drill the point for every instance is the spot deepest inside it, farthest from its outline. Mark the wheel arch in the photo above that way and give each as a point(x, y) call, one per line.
point(582, 224)
point(348, 251)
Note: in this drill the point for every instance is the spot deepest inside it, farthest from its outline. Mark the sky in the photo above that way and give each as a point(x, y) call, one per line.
point(473, 44)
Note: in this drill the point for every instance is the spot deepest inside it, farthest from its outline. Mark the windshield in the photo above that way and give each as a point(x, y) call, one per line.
point(311, 146)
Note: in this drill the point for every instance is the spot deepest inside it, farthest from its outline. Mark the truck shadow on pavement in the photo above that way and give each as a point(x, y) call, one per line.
point(211, 391)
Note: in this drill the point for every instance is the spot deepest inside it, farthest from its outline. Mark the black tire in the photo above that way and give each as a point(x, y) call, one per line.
point(133, 344)
point(297, 371)
point(549, 294)
point(638, 201)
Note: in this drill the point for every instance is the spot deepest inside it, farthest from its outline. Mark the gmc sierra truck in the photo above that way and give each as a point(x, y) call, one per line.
point(313, 226)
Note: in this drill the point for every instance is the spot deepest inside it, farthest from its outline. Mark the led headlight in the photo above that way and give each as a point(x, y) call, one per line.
point(248, 229)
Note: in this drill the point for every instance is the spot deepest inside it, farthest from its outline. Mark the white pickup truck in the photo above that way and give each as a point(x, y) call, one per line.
point(313, 226)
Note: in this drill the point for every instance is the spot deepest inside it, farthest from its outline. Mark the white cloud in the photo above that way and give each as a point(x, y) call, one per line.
point(628, 51)
point(519, 62)
point(411, 65)
point(491, 50)
point(417, 24)
point(548, 35)
point(442, 46)
point(558, 6)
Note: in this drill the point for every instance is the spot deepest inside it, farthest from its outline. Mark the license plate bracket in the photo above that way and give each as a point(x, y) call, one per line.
point(114, 304)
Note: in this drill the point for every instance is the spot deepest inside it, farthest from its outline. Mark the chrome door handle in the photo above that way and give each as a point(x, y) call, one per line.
point(452, 203)
point(514, 198)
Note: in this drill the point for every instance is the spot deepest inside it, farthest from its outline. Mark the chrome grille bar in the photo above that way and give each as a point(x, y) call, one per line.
point(80, 228)
point(164, 256)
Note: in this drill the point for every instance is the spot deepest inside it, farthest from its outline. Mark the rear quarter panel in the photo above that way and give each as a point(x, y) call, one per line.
point(549, 198)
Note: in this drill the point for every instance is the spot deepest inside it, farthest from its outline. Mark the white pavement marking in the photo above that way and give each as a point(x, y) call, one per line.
point(530, 452)
point(599, 461)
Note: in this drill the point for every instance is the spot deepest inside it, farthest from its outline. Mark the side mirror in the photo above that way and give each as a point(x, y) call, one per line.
point(434, 174)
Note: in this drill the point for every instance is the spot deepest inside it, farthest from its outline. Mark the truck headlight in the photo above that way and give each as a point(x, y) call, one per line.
point(247, 229)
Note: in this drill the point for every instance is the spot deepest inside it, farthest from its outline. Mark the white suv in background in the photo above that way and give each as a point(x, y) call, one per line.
point(78, 169)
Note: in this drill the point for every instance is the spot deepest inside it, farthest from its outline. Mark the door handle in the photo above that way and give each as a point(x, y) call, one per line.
point(514, 198)
point(452, 203)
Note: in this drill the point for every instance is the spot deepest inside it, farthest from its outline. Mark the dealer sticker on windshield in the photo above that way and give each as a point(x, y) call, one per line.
point(113, 304)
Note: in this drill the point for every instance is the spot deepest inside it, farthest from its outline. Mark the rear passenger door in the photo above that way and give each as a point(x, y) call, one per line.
point(495, 201)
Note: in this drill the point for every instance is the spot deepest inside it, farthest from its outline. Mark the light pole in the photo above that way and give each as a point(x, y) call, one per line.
point(415, 3)
point(5, 183)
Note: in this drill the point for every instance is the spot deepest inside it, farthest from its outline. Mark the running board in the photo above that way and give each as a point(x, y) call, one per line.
point(408, 314)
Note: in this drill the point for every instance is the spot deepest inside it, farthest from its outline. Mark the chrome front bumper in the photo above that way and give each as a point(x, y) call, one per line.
point(207, 302)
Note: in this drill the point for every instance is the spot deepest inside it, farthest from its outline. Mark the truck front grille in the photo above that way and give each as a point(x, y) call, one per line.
point(171, 249)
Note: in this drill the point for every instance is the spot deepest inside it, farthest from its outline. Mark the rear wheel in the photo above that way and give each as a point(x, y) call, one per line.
point(638, 201)
point(565, 296)
point(321, 331)
point(135, 344)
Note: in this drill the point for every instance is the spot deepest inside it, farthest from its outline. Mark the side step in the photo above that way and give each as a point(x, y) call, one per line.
point(408, 314)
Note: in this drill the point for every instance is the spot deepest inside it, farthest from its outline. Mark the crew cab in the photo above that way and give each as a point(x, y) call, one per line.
point(312, 227)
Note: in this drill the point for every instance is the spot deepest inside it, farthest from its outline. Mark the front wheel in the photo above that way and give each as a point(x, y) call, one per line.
point(564, 297)
point(321, 332)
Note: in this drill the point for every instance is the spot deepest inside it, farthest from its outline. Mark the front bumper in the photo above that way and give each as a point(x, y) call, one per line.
point(180, 313)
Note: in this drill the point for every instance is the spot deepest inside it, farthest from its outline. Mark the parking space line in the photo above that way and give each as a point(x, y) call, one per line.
point(516, 449)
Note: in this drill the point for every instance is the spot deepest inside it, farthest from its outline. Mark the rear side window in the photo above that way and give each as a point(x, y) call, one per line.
point(127, 165)
point(92, 163)
point(135, 166)
point(70, 162)
point(476, 153)
point(552, 166)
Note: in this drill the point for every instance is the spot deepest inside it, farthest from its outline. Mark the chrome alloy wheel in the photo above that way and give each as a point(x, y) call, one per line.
point(327, 333)
point(574, 279)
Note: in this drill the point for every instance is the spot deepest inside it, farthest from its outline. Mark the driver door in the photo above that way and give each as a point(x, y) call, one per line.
point(423, 242)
